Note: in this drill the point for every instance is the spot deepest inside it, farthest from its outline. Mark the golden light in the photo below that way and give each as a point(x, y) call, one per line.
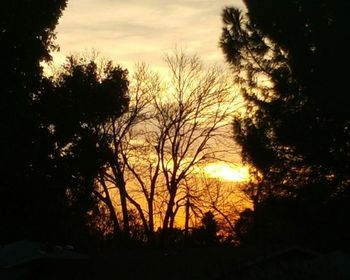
point(227, 172)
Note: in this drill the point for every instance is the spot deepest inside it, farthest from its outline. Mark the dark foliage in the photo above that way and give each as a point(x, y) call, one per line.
point(206, 234)
point(210, 229)
point(281, 222)
point(51, 147)
point(74, 111)
point(291, 60)
point(26, 37)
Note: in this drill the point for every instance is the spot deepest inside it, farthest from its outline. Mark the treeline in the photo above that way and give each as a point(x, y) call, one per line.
point(91, 155)
point(50, 153)
point(291, 60)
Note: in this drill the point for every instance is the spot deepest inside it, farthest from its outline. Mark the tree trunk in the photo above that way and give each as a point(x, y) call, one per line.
point(108, 202)
point(123, 201)
point(187, 219)
point(113, 216)
point(169, 211)
point(120, 184)
point(150, 222)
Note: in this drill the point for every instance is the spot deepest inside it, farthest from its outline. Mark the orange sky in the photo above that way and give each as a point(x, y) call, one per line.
point(142, 30)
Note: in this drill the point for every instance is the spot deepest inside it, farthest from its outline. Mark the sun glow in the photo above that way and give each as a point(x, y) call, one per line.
point(227, 172)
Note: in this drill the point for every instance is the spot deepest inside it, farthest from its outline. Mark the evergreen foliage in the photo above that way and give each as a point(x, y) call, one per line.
point(290, 58)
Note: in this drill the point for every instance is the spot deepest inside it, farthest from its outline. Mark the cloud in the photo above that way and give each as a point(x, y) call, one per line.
point(134, 30)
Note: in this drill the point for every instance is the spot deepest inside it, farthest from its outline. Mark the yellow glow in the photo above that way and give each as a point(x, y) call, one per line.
point(227, 172)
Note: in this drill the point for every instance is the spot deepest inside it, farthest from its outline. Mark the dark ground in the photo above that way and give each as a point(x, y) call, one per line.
point(217, 263)
point(210, 263)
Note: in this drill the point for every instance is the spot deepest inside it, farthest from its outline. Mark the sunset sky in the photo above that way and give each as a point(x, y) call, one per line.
point(132, 31)
point(142, 30)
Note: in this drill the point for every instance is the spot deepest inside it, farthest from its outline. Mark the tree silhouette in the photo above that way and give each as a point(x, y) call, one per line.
point(188, 123)
point(163, 137)
point(26, 38)
point(51, 146)
point(289, 59)
point(84, 97)
point(210, 228)
point(123, 131)
point(206, 234)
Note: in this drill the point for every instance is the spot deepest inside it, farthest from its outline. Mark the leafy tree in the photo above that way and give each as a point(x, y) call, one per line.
point(210, 228)
point(52, 148)
point(83, 98)
point(26, 38)
point(289, 58)
point(295, 130)
point(206, 234)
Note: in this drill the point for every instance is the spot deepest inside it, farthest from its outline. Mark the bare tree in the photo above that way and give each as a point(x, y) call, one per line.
point(188, 120)
point(226, 199)
point(172, 127)
point(121, 131)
